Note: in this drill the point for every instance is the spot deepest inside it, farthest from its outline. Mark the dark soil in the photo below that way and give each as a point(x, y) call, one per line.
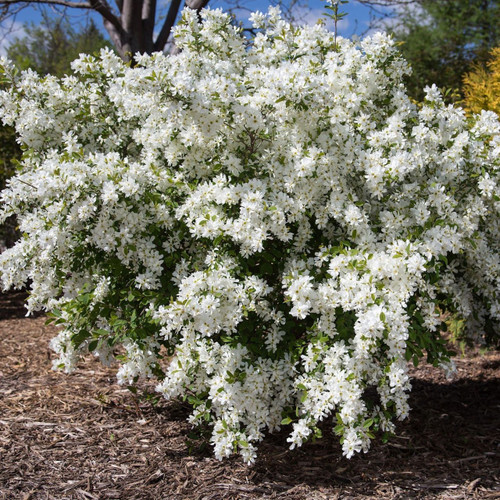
point(81, 436)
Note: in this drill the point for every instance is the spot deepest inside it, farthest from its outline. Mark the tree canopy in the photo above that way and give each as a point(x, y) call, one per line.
point(133, 25)
point(442, 40)
point(482, 86)
point(49, 47)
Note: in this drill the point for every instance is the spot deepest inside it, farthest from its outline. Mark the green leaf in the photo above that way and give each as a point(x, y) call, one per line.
point(367, 424)
point(338, 429)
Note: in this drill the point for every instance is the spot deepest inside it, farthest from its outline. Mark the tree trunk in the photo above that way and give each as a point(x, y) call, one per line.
point(131, 29)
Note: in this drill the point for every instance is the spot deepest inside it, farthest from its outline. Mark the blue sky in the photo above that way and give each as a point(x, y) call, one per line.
point(355, 23)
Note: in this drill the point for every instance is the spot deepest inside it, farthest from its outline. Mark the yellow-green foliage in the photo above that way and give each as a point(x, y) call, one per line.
point(482, 86)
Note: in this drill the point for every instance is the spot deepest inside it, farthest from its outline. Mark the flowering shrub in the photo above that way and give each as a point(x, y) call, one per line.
point(269, 228)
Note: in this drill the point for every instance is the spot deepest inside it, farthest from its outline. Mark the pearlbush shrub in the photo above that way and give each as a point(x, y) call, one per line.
point(270, 228)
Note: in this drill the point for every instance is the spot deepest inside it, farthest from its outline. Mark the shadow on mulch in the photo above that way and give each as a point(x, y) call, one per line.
point(81, 436)
point(12, 305)
point(451, 437)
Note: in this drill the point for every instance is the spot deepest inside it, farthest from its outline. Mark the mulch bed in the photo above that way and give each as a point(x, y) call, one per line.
point(82, 436)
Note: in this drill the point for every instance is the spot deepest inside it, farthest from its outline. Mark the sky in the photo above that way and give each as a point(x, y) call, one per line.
point(357, 21)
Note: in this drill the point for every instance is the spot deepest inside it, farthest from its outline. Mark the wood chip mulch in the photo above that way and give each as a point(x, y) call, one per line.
point(82, 436)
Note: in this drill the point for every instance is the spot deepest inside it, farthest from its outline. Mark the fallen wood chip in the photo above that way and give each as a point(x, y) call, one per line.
point(87, 494)
point(473, 484)
point(488, 454)
point(436, 486)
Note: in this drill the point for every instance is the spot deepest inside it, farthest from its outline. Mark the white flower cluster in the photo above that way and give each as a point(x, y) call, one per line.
point(270, 226)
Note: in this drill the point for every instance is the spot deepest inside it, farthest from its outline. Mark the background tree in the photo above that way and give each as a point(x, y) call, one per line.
point(482, 86)
point(131, 24)
point(442, 40)
point(50, 46)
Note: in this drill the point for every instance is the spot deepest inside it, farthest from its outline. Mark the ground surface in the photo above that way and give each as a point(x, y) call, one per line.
point(81, 436)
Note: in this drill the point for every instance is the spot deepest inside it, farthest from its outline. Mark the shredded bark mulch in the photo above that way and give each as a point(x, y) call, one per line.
point(82, 436)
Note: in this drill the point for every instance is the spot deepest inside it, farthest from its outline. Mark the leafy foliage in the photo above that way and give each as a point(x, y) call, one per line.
point(51, 46)
point(442, 40)
point(482, 86)
point(10, 154)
